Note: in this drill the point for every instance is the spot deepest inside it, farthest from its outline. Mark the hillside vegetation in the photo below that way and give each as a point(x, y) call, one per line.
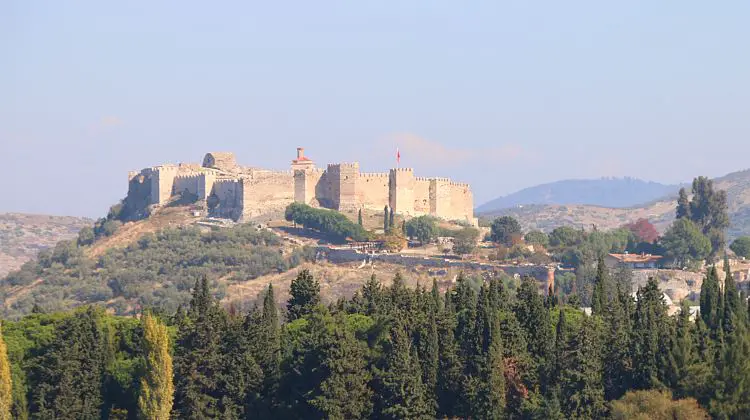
point(157, 270)
point(23, 235)
point(660, 212)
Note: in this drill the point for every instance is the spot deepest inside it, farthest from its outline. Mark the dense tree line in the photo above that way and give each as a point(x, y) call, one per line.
point(476, 350)
point(331, 223)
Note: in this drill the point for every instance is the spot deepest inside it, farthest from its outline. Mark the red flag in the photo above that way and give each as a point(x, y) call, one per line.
point(398, 156)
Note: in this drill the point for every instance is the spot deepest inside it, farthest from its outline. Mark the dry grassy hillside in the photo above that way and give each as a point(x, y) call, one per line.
point(661, 213)
point(22, 236)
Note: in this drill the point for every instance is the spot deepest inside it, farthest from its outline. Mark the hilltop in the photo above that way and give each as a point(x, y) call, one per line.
point(604, 192)
point(22, 236)
point(660, 211)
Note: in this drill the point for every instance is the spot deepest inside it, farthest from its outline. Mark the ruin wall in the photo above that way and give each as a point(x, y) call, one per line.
point(266, 191)
point(373, 190)
point(421, 196)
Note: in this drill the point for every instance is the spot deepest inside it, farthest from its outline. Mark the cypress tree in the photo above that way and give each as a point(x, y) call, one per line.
point(372, 296)
point(385, 219)
point(198, 358)
point(391, 219)
point(709, 299)
point(650, 338)
point(731, 396)
point(157, 389)
point(304, 295)
point(359, 217)
point(240, 379)
point(399, 382)
point(582, 389)
point(6, 386)
point(449, 364)
point(70, 371)
point(489, 395)
point(599, 296)
point(618, 361)
point(270, 360)
point(732, 308)
point(429, 353)
point(683, 205)
point(534, 319)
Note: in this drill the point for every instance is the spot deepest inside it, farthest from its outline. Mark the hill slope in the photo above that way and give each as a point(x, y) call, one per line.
point(659, 212)
point(605, 192)
point(22, 236)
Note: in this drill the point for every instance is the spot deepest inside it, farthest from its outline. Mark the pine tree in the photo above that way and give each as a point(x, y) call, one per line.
point(683, 205)
point(399, 382)
point(157, 389)
point(70, 371)
point(372, 296)
point(582, 389)
point(344, 391)
point(6, 386)
point(304, 295)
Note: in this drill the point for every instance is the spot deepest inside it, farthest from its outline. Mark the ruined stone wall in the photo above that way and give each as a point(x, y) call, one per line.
point(373, 190)
point(226, 199)
point(330, 187)
point(401, 190)
point(266, 191)
point(198, 185)
point(421, 196)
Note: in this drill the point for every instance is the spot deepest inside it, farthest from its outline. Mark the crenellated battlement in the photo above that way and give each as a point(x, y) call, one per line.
point(236, 191)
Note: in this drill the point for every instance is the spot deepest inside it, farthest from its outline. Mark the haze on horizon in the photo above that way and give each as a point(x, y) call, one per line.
point(503, 96)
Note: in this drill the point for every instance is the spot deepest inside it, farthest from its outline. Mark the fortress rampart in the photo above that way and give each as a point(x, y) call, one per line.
point(233, 191)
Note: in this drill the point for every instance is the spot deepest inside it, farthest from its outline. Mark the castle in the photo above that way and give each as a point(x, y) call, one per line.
point(241, 192)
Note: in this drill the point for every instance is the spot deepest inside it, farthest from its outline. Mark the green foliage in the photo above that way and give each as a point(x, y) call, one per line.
point(565, 236)
point(684, 243)
point(505, 230)
point(157, 387)
point(328, 222)
point(6, 386)
point(465, 241)
point(537, 237)
point(156, 271)
point(304, 295)
point(422, 228)
point(741, 247)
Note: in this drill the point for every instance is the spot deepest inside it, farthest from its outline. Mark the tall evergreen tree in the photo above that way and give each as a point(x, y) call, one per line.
point(732, 308)
point(386, 220)
point(582, 388)
point(618, 361)
point(709, 299)
point(731, 397)
point(270, 359)
point(391, 219)
point(534, 318)
point(372, 296)
point(489, 393)
point(157, 387)
point(650, 337)
point(6, 386)
point(399, 381)
point(198, 358)
point(599, 299)
point(449, 365)
point(69, 371)
point(304, 295)
point(359, 217)
point(683, 205)
point(344, 392)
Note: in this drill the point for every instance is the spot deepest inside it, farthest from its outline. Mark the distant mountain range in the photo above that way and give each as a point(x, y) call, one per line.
point(551, 211)
point(604, 192)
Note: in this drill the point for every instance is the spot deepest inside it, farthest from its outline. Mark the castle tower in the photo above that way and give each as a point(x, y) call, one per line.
point(401, 190)
point(302, 162)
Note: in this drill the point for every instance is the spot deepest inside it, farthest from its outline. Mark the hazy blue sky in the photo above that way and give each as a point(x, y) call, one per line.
point(503, 95)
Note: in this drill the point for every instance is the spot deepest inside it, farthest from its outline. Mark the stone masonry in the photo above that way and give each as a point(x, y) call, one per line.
point(240, 192)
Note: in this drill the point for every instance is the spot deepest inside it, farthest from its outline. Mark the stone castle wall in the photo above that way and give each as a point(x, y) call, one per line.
point(240, 192)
